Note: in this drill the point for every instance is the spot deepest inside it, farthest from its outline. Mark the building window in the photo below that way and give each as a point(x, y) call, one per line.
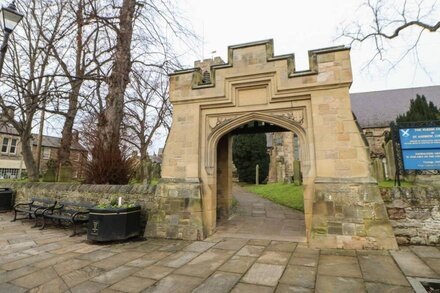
point(13, 147)
point(46, 153)
point(9, 173)
point(5, 145)
point(9, 145)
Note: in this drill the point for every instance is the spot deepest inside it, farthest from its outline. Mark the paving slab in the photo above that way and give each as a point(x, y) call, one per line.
point(96, 255)
point(7, 276)
point(9, 288)
point(219, 282)
point(199, 246)
point(178, 259)
point(259, 242)
point(285, 288)
point(115, 275)
point(36, 278)
point(331, 284)
point(70, 265)
point(12, 257)
point(56, 259)
point(238, 264)
point(132, 284)
point(88, 287)
point(384, 288)
point(54, 286)
point(206, 263)
point(306, 252)
point(117, 260)
point(336, 265)
point(175, 284)
point(282, 246)
point(426, 251)
point(274, 257)
point(231, 244)
point(25, 261)
point(299, 276)
point(264, 274)
point(78, 276)
point(250, 288)
point(413, 266)
point(155, 272)
point(374, 267)
point(434, 264)
point(251, 250)
point(304, 261)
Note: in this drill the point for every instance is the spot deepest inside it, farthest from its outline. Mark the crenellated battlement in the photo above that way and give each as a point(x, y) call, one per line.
point(327, 66)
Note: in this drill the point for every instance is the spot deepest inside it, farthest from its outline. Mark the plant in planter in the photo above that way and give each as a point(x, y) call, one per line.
point(114, 221)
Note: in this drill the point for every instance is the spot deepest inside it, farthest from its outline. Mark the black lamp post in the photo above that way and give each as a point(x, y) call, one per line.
point(9, 18)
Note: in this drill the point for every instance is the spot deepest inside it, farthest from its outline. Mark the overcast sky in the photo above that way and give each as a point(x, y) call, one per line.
point(298, 26)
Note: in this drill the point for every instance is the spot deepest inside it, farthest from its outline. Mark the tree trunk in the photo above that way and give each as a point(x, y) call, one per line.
point(28, 158)
point(110, 124)
point(76, 83)
point(143, 161)
point(66, 139)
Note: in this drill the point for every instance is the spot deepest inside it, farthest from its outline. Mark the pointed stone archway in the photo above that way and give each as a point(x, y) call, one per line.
point(343, 207)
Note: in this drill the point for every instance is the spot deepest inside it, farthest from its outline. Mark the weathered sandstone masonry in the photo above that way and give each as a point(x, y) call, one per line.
point(343, 207)
point(414, 213)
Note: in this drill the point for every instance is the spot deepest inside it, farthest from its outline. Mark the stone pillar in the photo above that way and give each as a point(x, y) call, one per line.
point(224, 177)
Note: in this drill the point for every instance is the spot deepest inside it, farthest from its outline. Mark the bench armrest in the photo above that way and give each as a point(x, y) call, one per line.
point(77, 214)
point(23, 204)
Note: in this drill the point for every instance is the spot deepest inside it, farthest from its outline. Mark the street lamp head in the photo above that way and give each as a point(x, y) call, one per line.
point(10, 17)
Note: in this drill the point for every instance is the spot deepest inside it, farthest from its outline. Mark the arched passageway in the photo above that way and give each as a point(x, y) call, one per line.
point(243, 214)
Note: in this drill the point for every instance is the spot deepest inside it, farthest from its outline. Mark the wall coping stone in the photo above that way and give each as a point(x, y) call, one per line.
point(128, 189)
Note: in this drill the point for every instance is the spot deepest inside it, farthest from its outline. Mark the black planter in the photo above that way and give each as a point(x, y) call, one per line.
point(6, 199)
point(113, 224)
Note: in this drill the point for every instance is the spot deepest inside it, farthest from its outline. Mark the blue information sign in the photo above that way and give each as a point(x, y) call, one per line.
point(420, 148)
point(423, 159)
point(420, 138)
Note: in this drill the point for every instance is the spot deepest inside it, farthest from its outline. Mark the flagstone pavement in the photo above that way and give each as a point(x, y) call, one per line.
point(32, 260)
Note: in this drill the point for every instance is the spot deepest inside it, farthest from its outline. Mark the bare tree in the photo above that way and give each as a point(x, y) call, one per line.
point(147, 109)
point(30, 77)
point(379, 22)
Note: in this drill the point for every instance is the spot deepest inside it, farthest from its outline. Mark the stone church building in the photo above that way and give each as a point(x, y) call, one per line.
point(374, 112)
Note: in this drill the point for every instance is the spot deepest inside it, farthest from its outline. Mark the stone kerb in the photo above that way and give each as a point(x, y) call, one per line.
point(414, 213)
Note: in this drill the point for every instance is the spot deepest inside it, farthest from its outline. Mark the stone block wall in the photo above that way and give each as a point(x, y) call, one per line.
point(414, 214)
point(143, 195)
point(350, 214)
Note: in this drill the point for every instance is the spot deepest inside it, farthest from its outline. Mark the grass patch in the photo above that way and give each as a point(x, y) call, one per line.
point(390, 184)
point(288, 195)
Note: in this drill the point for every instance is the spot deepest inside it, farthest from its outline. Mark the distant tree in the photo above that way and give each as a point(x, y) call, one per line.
point(248, 151)
point(420, 110)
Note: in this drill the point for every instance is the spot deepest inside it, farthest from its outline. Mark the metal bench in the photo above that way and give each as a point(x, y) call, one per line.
point(34, 208)
point(72, 212)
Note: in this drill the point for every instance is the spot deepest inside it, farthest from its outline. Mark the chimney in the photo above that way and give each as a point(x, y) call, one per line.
point(10, 111)
point(75, 135)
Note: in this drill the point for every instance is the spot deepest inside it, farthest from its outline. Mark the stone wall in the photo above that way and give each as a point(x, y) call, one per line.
point(142, 195)
point(414, 214)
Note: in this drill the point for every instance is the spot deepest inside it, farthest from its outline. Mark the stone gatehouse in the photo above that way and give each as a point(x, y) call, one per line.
point(258, 91)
